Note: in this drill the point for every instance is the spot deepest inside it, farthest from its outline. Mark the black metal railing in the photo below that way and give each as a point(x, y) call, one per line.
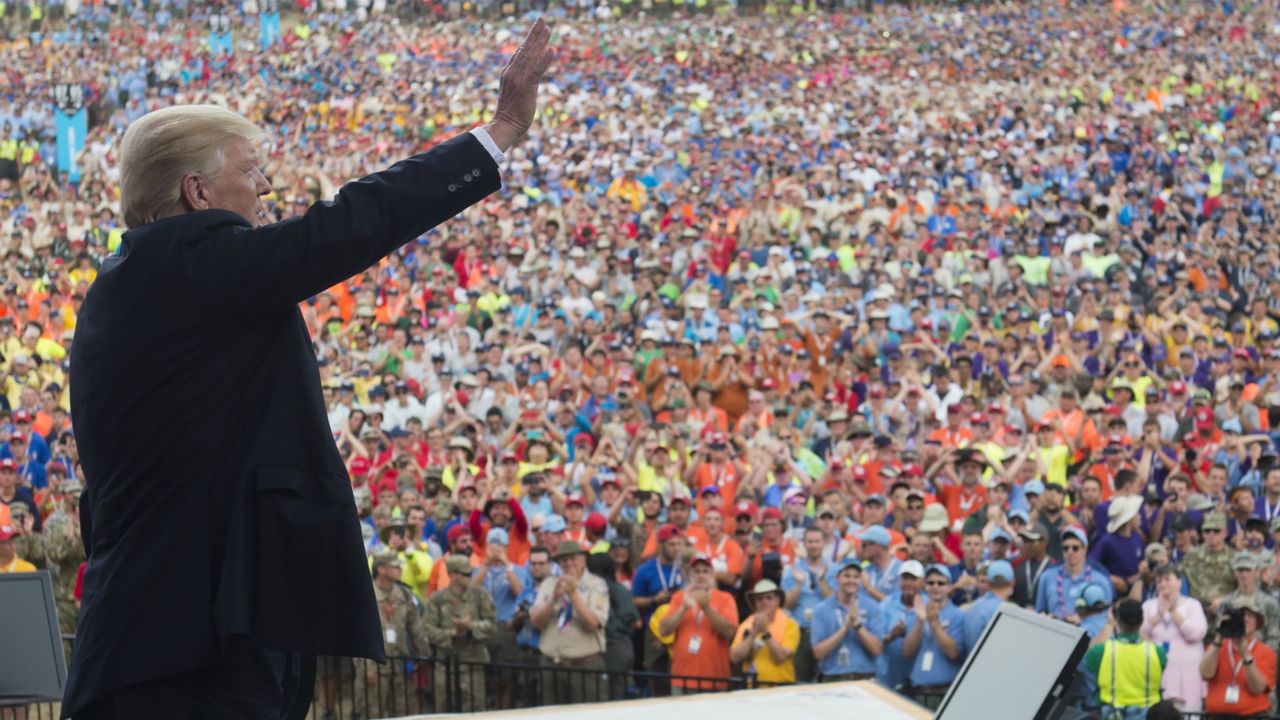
point(423, 685)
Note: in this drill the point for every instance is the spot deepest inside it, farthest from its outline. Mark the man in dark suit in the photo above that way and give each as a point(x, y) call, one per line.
point(1031, 563)
point(224, 551)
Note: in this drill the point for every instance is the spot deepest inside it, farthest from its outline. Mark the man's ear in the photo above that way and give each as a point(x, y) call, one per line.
point(194, 192)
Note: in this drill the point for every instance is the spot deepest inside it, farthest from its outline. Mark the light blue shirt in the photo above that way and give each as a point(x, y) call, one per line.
point(1057, 592)
point(886, 581)
point(849, 656)
point(892, 669)
point(495, 581)
point(810, 591)
point(977, 617)
point(931, 666)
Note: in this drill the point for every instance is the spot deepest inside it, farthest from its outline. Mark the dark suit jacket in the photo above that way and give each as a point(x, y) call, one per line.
point(217, 504)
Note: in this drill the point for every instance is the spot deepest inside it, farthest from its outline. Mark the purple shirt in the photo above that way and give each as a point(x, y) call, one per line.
point(1119, 555)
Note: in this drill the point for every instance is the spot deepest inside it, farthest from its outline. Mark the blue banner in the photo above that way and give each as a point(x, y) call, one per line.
point(270, 23)
point(71, 130)
point(221, 43)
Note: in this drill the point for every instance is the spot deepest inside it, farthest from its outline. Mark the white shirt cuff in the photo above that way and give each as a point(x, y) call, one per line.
point(496, 153)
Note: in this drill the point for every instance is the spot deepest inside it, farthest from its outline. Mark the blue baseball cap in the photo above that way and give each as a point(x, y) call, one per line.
point(999, 534)
point(1019, 514)
point(849, 563)
point(1000, 572)
point(499, 536)
point(875, 534)
point(553, 523)
point(1092, 596)
point(1033, 487)
point(940, 569)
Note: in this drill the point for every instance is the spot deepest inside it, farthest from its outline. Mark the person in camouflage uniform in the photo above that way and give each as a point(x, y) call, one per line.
point(29, 544)
point(1247, 570)
point(1208, 566)
point(382, 690)
point(64, 553)
point(458, 621)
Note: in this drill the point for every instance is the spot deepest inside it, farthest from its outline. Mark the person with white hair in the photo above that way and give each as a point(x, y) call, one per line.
point(224, 552)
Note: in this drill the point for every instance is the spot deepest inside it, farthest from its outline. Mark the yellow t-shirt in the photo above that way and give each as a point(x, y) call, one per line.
point(786, 631)
point(1056, 458)
point(17, 565)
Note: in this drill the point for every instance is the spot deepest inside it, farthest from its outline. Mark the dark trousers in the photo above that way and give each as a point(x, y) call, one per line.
point(251, 682)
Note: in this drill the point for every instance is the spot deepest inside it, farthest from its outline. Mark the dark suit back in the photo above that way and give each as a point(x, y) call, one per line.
point(217, 504)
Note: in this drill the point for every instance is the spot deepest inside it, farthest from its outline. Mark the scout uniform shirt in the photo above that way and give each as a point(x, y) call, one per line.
point(564, 637)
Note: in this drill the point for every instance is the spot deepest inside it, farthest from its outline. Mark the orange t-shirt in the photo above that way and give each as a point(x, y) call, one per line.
point(961, 504)
point(1105, 478)
point(711, 657)
point(952, 438)
point(786, 549)
point(1249, 704)
point(726, 555)
point(726, 477)
point(694, 534)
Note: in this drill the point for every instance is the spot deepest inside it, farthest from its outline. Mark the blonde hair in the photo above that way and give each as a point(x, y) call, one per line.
point(162, 146)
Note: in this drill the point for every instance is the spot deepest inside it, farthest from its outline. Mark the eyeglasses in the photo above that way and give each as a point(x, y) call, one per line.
point(1072, 548)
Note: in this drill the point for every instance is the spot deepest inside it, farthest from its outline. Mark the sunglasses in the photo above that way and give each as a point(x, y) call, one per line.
point(1212, 530)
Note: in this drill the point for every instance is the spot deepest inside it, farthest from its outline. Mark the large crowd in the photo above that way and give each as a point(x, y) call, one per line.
point(796, 341)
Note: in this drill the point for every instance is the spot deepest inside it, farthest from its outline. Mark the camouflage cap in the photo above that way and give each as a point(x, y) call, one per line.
point(386, 558)
point(1214, 521)
point(458, 565)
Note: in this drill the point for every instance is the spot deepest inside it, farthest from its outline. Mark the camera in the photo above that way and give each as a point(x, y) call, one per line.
point(1232, 625)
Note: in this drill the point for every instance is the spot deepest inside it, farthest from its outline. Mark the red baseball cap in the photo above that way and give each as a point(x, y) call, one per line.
point(771, 513)
point(6, 532)
point(746, 508)
point(22, 416)
point(860, 472)
point(360, 466)
point(995, 409)
point(913, 470)
point(1177, 387)
point(454, 533)
point(977, 419)
point(668, 531)
point(700, 558)
point(1204, 419)
point(596, 523)
point(574, 499)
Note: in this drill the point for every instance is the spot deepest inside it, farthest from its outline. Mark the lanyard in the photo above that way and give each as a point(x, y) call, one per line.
point(1062, 591)
point(1033, 580)
point(670, 579)
point(719, 475)
point(1234, 664)
point(1269, 511)
point(720, 547)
